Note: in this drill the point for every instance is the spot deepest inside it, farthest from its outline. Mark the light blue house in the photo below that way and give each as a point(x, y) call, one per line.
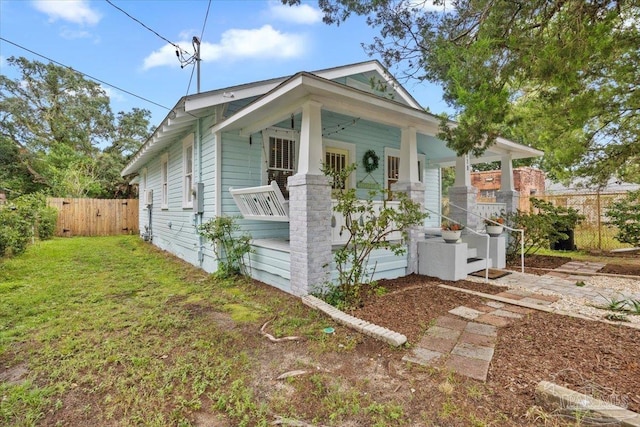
point(257, 149)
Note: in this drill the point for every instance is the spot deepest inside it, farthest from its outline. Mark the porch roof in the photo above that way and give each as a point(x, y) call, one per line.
point(288, 97)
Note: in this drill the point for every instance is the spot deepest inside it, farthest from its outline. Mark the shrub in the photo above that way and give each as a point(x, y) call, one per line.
point(625, 215)
point(24, 219)
point(368, 230)
point(545, 225)
point(229, 245)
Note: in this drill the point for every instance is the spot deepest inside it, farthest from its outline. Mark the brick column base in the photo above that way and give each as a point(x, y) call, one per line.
point(309, 232)
point(510, 198)
point(415, 191)
point(465, 197)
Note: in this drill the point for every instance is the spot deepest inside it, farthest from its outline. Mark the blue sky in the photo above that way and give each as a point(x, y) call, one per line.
point(243, 41)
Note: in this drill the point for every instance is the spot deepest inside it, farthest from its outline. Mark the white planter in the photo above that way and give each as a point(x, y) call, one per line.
point(494, 230)
point(451, 236)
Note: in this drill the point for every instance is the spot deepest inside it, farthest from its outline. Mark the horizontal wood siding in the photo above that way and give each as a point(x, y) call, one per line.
point(383, 262)
point(366, 135)
point(432, 196)
point(173, 228)
point(243, 166)
point(271, 266)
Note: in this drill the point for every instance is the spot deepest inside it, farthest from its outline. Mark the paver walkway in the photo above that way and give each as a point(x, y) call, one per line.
point(464, 340)
point(565, 284)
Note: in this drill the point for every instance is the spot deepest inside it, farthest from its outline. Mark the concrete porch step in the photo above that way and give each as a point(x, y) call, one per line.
point(472, 253)
point(476, 264)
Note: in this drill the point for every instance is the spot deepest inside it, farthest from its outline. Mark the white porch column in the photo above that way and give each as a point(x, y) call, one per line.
point(409, 183)
point(310, 157)
point(408, 156)
point(463, 171)
point(309, 209)
point(507, 193)
point(463, 194)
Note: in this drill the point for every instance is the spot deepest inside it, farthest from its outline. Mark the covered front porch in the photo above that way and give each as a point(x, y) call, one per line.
point(299, 258)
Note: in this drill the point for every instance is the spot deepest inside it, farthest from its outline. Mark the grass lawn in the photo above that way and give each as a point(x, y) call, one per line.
point(111, 331)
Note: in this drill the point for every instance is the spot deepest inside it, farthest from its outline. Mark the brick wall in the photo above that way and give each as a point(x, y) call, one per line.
point(527, 181)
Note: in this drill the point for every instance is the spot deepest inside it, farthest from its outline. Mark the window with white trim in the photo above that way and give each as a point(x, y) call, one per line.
point(339, 155)
point(281, 156)
point(164, 176)
point(392, 168)
point(187, 172)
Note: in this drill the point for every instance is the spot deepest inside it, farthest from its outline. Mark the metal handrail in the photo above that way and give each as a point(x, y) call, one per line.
point(486, 260)
point(520, 230)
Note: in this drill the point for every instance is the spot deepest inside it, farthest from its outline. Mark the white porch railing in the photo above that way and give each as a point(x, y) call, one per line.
point(264, 203)
point(519, 230)
point(487, 210)
point(340, 236)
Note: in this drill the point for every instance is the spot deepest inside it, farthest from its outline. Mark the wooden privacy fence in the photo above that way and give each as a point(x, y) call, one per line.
point(95, 217)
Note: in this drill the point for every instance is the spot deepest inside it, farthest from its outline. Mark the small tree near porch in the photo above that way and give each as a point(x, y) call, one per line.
point(368, 229)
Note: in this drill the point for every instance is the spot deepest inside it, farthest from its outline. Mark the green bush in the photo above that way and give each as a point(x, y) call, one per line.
point(22, 220)
point(625, 215)
point(545, 225)
point(368, 229)
point(229, 245)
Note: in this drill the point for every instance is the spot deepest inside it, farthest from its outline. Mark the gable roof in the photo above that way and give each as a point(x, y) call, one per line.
point(365, 89)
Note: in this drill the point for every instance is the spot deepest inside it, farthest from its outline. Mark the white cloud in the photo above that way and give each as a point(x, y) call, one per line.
point(235, 44)
point(301, 14)
point(69, 34)
point(113, 94)
point(76, 11)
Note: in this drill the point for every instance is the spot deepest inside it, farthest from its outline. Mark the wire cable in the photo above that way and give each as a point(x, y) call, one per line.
point(85, 74)
point(204, 24)
point(179, 51)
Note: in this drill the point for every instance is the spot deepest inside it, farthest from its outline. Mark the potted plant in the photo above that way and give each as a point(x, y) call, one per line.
point(494, 225)
point(451, 231)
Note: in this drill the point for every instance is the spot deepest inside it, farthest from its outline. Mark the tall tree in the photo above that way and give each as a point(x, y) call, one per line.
point(561, 75)
point(56, 122)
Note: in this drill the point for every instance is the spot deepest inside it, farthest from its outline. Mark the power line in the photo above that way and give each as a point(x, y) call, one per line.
point(85, 74)
point(204, 24)
point(179, 51)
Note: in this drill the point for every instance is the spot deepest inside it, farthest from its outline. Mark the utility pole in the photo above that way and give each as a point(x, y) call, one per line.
point(196, 44)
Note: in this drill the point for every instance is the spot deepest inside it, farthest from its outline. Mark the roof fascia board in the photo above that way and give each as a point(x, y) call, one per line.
point(365, 67)
point(221, 97)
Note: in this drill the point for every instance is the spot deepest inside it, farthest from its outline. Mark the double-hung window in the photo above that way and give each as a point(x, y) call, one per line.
point(281, 157)
point(187, 172)
point(392, 168)
point(164, 176)
point(338, 156)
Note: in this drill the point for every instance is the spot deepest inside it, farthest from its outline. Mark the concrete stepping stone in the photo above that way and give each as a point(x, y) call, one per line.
point(473, 368)
point(493, 320)
point(422, 356)
point(451, 323)
point(473, 351)
point(480, 329)
point(466, 312)
point(506, 313)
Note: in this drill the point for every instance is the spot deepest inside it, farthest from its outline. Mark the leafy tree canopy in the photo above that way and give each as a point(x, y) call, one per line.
point(58, 134)
point(560, 75)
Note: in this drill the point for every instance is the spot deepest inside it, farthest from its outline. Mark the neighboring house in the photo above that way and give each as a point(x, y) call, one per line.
point(281, 131)
point(527, 181)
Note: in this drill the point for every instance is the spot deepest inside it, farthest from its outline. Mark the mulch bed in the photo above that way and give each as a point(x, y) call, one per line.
point(579, 354)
